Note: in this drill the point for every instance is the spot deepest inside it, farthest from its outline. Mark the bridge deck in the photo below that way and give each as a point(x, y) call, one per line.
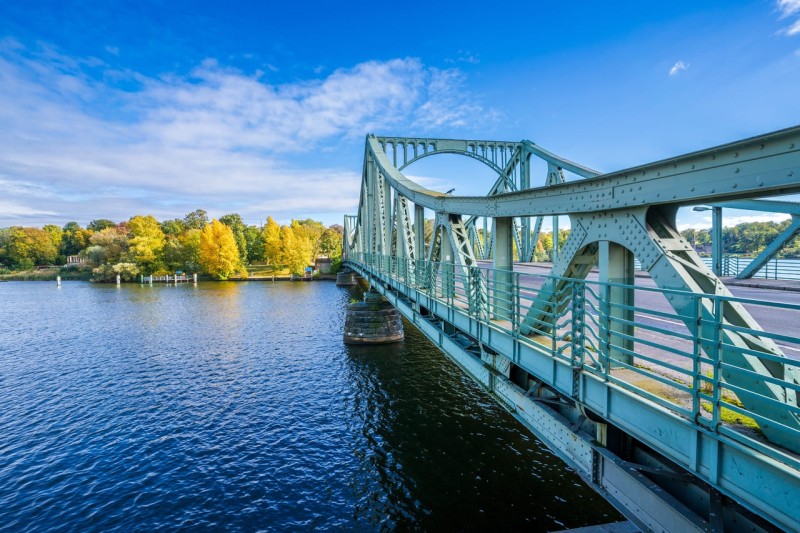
point(668, 365)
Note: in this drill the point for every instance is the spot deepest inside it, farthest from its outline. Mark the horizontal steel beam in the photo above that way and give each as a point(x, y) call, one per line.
point(767, 165)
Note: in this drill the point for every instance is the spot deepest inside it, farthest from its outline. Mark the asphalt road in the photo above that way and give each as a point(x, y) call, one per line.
point(775, 320)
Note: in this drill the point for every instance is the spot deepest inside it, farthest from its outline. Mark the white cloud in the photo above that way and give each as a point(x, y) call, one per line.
point(730, 221)
point(794, 29)
point(788, 7)
point(677, 67)
point(74, 147)
point(14, 210)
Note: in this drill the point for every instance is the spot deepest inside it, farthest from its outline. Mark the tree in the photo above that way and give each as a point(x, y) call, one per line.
point(146, 242)
point(271, 235)
point(255, 243)
point(107, 247)
point(235, 222)
point(74, 239)
point(27, 247)
point(197, 219)
point(181, 252)
point(100, 224)
point(176, 226)
point(218, 253)
point(330, 243)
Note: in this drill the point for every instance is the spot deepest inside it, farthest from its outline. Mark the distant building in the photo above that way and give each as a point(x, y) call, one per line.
point(75, 260)
point(323, 264)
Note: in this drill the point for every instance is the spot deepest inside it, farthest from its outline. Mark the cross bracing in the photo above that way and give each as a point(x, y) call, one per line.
point(615, 218)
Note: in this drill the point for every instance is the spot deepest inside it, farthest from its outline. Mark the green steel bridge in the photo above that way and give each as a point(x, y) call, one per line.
point(664, 393)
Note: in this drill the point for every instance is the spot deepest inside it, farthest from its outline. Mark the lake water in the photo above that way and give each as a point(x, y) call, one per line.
point(236, 406)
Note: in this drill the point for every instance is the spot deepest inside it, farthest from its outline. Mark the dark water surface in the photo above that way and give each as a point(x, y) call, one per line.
point(236, 406)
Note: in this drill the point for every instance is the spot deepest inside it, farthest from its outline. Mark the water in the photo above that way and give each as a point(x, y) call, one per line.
point(237, 407)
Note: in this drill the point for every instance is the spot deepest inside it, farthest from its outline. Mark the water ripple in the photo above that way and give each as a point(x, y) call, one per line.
point(236, 407)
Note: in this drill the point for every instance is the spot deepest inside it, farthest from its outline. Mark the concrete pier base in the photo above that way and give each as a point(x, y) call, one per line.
point(346, 278)
point(372, 321)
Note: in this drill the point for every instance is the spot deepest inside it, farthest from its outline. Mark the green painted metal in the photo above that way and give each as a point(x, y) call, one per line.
point(768, 206)
point(595, 329)
point(683, 424)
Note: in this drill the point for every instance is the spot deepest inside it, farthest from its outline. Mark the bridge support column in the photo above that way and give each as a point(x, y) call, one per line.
point(448, 267)
point(502, 301)
point(716, 241)
point(616, 266)
point(373, 321)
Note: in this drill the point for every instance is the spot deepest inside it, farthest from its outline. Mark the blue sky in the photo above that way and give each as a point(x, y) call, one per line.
point(111, 109)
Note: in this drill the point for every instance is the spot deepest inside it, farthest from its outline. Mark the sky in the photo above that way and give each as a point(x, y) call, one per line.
point(115, 109)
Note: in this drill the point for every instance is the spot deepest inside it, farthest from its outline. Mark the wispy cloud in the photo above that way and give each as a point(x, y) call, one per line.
point(82, 140)
point(678, 67)
point(794, 29)
point(731, 221)
point(789, 8)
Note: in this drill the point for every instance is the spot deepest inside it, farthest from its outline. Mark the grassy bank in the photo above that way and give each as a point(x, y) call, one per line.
point(48, 275)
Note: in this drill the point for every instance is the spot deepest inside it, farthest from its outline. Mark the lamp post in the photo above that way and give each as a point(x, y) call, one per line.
point(716, 237)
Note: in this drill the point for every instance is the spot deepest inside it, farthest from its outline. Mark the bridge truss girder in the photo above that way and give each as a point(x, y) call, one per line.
point(634, 209)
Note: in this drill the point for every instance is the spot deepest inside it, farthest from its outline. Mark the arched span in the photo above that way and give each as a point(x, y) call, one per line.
point(497, 155)
point(488, 162)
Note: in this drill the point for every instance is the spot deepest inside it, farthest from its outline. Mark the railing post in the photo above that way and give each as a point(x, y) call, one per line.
point(697, 368)
point(716, 355)
point(578, 332)
point(516, 312)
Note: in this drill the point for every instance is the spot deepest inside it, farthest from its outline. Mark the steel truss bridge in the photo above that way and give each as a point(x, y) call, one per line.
point(665, 394)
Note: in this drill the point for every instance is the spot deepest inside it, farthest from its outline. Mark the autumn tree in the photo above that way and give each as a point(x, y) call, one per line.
point(109, 246)
point(182, 252)
point(146, 242)
point(330, 243)
point(218, 254)
point(237, 225)
point(26, 247)
point(74, 238)
point(271, 235)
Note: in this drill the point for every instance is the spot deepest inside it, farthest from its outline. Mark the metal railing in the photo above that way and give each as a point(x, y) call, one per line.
point(684, 363)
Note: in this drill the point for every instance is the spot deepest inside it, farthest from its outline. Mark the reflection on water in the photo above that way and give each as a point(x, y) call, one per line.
point(236, 405)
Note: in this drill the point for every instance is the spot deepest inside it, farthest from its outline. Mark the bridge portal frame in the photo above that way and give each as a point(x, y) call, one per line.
point(614, 216)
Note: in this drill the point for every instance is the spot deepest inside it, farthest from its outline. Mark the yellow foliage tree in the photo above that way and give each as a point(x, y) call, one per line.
point(145, 242)
point(219, 255)
point(271, 235)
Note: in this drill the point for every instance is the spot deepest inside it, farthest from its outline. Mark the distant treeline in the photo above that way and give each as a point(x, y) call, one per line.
point(222, 248)
point(142, 245)
point(747, 238)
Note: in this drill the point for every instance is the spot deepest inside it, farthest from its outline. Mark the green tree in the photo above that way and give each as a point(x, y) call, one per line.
point(255, 243)
point(74, 239)
point(197, 219)
point(100, 224)
point(181, 252)
point(218, 253)
point(176, 226)
point(330, 243)
point(146, 243)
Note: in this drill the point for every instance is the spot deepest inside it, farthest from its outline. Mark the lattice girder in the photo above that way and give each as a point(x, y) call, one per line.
point(650, 234)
